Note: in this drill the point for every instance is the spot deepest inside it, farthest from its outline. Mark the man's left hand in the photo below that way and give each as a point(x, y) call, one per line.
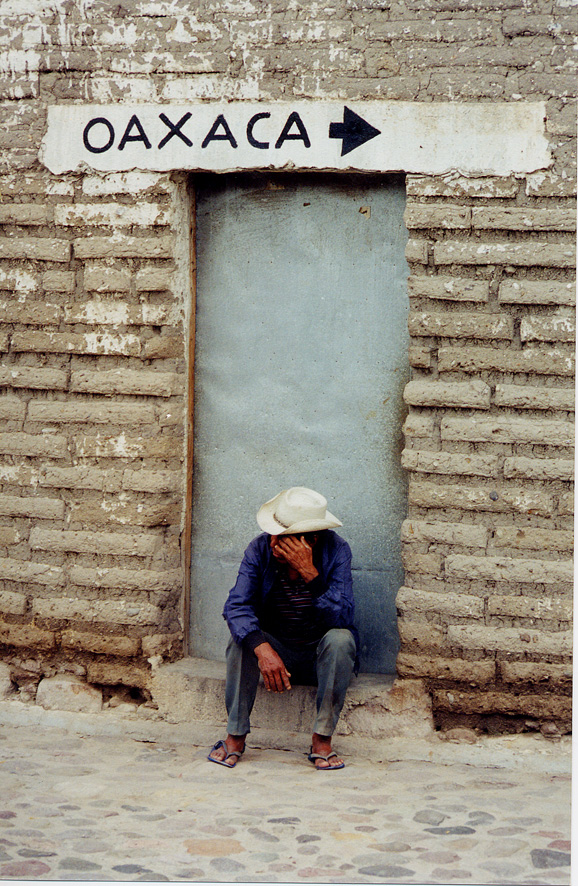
point(298, 554)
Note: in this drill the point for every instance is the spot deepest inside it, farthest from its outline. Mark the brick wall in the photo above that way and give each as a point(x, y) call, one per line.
point(487, 605)
point(95, 290)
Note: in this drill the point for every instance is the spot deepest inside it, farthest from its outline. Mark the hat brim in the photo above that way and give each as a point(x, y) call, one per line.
point(268, 523)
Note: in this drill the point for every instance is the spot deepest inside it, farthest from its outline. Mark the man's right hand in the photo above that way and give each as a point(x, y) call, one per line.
point(275, 674)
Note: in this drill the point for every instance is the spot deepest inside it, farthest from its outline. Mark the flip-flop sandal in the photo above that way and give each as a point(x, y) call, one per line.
point(313, 757)
point(223, 744)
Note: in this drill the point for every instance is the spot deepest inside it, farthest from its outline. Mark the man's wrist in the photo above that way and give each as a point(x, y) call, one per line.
point(254, 639)
point(309, 575)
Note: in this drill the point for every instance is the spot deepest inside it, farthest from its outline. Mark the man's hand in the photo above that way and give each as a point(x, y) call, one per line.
point(275, 674)
point(297, 553)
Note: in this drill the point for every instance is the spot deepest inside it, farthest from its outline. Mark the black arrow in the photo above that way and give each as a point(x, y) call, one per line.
point(354, 131)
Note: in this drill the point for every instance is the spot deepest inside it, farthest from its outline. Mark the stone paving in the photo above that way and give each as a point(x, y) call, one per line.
point(109, 807)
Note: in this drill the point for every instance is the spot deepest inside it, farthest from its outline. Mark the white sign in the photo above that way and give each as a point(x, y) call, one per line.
point(475, 139)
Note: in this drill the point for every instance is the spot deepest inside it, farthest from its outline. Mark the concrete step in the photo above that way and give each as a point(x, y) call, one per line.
point(377, 706)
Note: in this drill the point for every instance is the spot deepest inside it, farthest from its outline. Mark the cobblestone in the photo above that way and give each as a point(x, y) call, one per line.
point(81, 805)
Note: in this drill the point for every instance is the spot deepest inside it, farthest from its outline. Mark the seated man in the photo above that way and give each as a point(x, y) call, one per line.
point(291, 616)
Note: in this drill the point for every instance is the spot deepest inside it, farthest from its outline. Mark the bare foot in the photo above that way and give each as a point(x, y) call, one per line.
point(321, 744)
point(234, 744)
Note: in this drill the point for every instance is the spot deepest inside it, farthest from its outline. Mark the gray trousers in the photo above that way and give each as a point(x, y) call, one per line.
point(328, 664)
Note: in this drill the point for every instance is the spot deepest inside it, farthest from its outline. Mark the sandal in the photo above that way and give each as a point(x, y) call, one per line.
point(223, 744)
point(313, 757)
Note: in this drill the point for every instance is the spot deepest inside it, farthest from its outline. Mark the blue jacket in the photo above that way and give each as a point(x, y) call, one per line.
point(332, 589)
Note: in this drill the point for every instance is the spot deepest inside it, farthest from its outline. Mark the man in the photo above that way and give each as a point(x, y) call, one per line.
point(290, 614)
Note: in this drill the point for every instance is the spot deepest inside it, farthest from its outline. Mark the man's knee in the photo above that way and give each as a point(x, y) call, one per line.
point(338, 641)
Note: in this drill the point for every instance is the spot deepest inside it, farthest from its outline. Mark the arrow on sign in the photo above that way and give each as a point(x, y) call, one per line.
point(354, 131)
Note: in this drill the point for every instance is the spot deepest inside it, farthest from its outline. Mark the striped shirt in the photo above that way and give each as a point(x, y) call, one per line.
point(289, 611)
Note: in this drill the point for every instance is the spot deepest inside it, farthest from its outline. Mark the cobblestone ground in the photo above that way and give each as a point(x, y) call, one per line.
point(109, 808)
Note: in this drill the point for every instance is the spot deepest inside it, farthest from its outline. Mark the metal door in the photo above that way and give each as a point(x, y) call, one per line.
point(301, 357)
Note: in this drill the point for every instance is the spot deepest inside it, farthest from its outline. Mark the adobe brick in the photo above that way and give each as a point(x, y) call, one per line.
point(415, 562)
point(444, 533)
point(12, 604)
point(25, 214)
point(554, 328)
point(510, 640)
point(452, 325)
point(37, 573)
point(479, 672)
point(106, 279)
point(524, 219)
point(154, 280)
point(449, 288)
point(19, 475)
point(76, 343)
point(115, 214)
point(18, 279)
point(526, 537)
point(467, 395)
point(421, 635)
point(35, 313)
point(419, 426)
point(121, 612)
point(95, 185)
point(152, 481)
point(454, 605)
point(28, 636)
point(509, 569)
point(550, 184)
point(37, 183)
point(528, 397)
point(119, 544)
point(42, 508)
point(417, 251)
point(30, 377)
point(534, 672)
point(492, 701)
point(114, 673)
point(479, 429)
point(510, 252)
point(537, 292)
point(163, 347)
point(420, 358)
point(115, 313)
point(531, 359)
point(51, 445)
point(35, 248)
point(12, 409)
point(127, 579)
point(4, 342)
point(59, 281)
point(123, 247)
point(549, 609)
point(162, 644)
point(90, 411)
point(127, 381)
point(82, 477)
point(539, 468)
point(121, 446)
point(420, 29)
point(9, 536)
point(566, 504)
point(468, 498)
point(431, 215)
point(450, 463)
point(453, 185)
point(102, 644)
point(147, 513)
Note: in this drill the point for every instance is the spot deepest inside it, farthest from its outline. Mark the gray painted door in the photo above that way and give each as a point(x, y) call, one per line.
point(300, 362)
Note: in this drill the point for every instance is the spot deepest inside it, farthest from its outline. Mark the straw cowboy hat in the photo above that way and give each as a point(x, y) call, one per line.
point(296, 510)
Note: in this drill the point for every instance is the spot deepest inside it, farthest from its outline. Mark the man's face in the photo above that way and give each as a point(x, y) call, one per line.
point(309, 537)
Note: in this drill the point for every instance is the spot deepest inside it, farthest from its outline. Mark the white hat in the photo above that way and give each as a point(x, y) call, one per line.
point(296, 510)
